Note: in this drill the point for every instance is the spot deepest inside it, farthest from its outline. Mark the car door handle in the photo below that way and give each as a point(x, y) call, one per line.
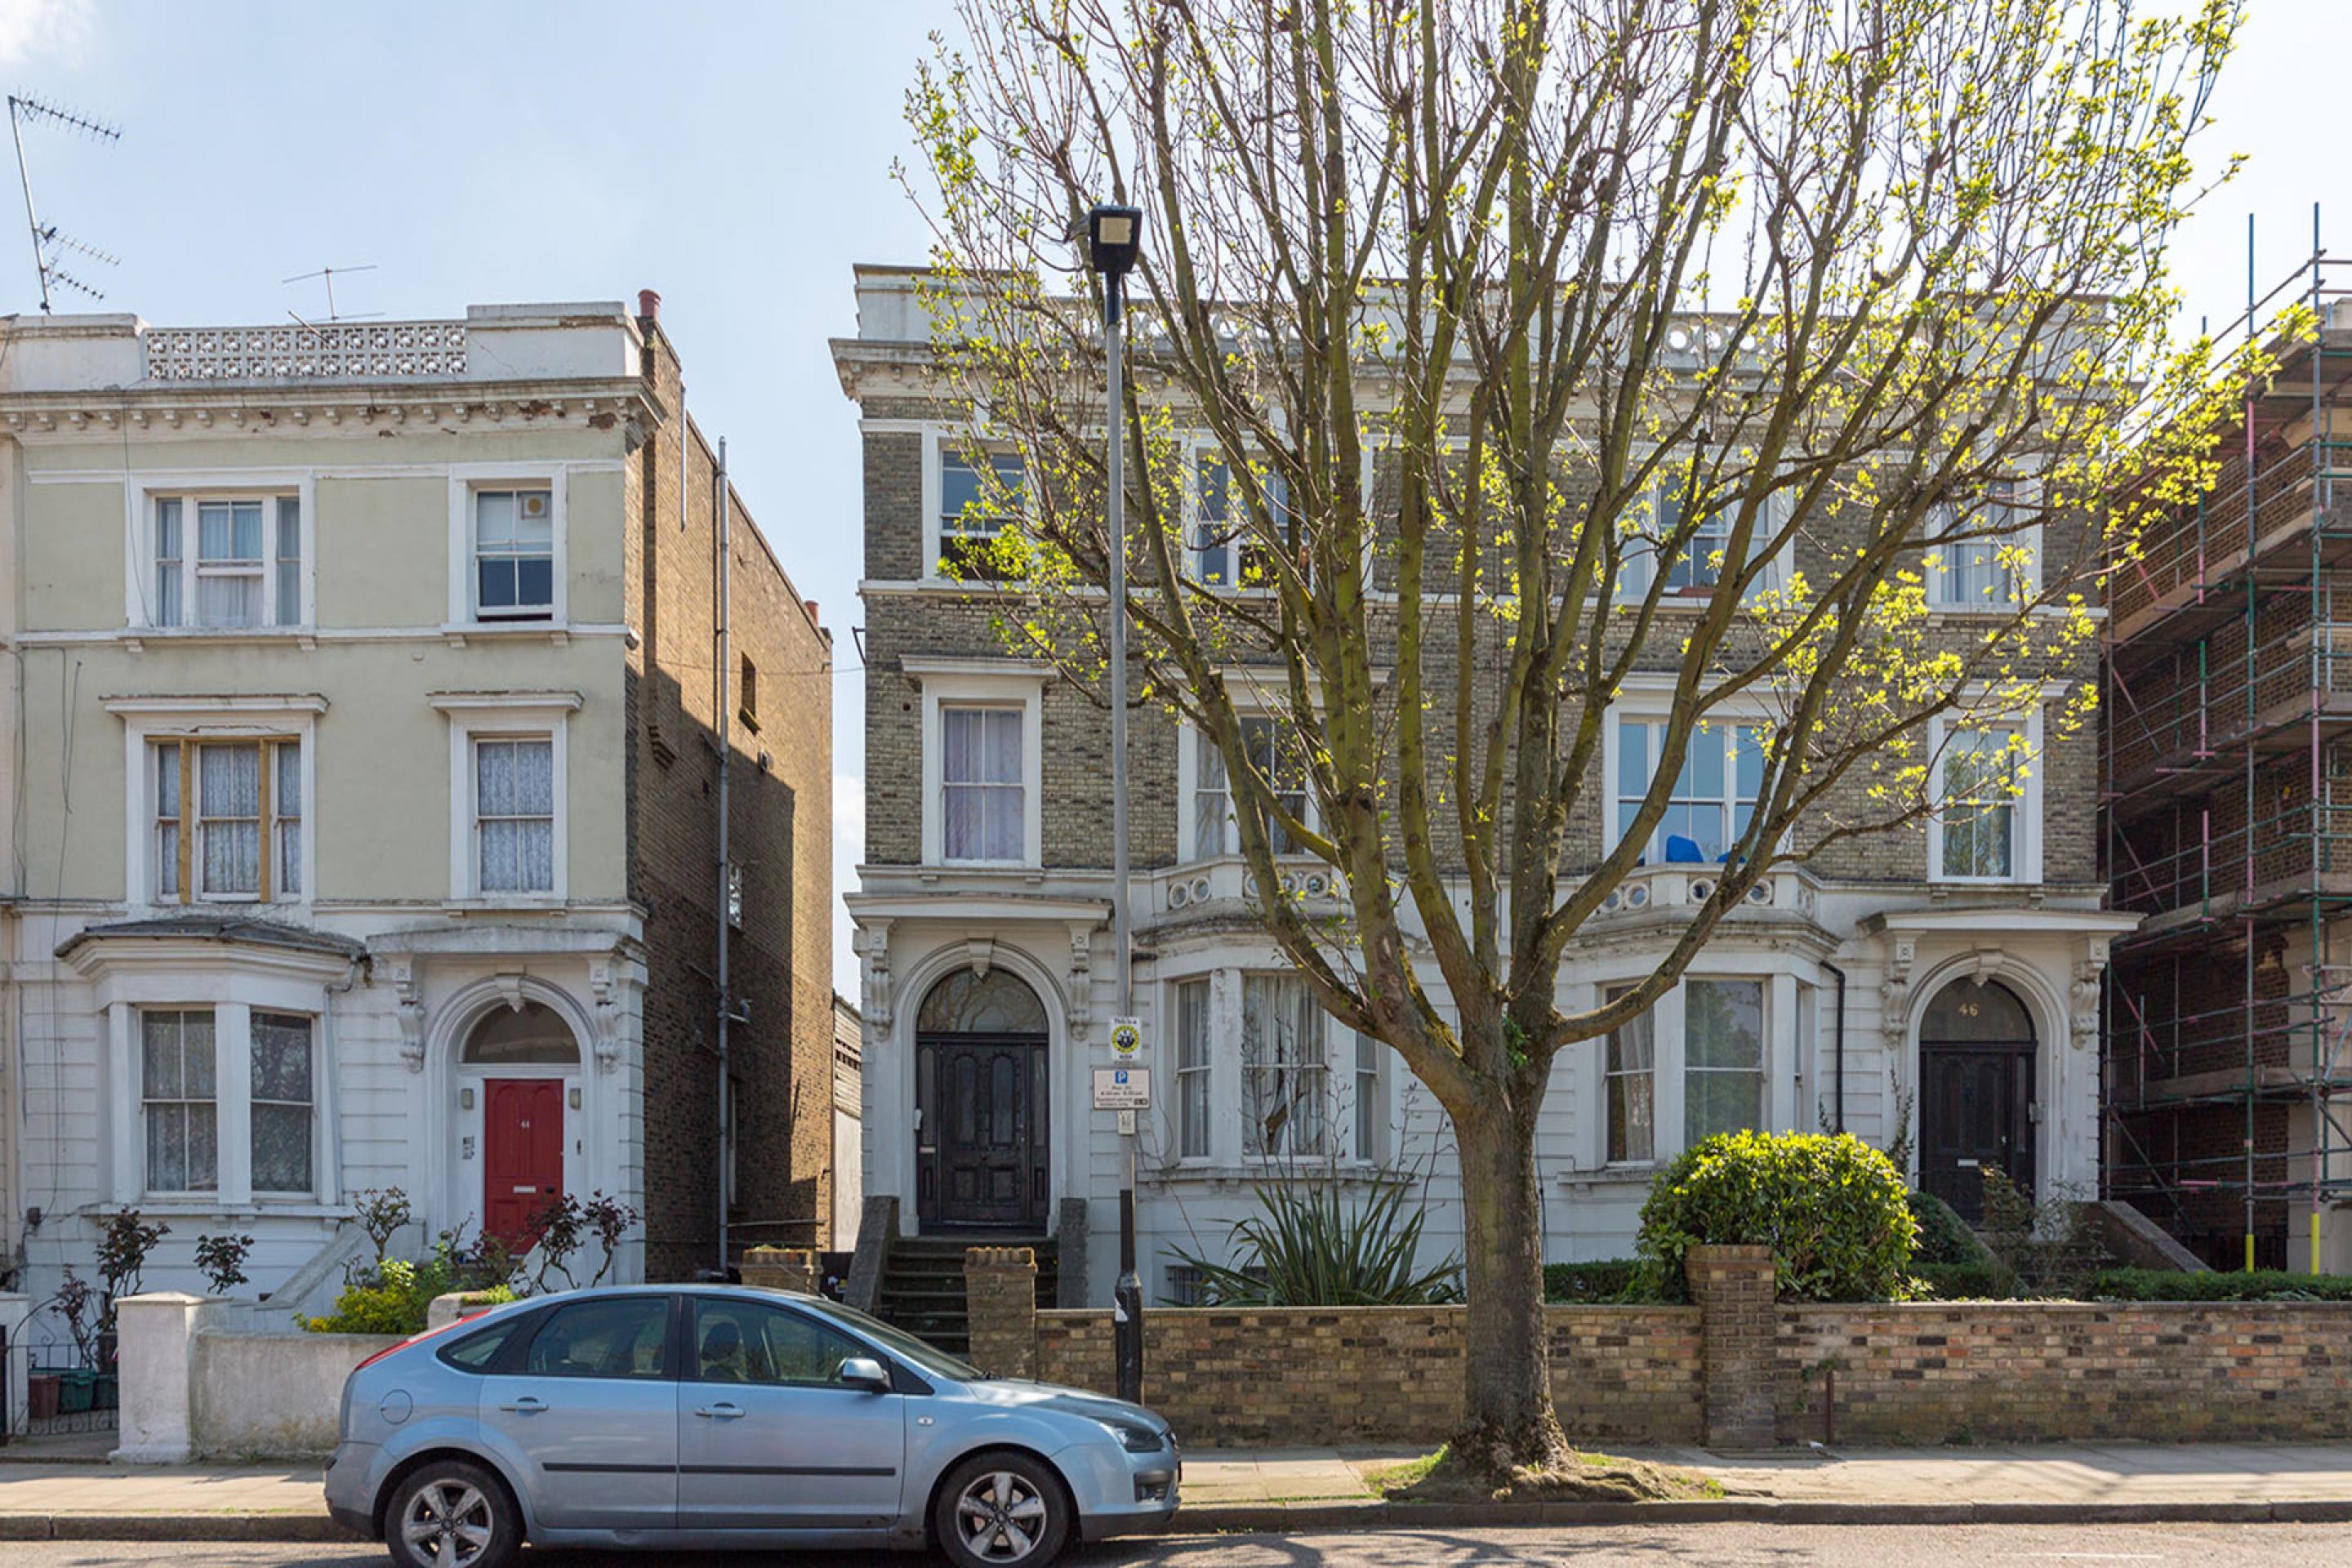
point(722, 1411)
point(526, 1405)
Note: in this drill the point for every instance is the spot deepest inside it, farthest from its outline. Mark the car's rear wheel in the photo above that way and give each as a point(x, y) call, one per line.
point(451, 1514)
point(1001, 1510)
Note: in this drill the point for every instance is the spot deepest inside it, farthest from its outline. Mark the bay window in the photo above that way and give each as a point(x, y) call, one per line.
point(1633, 1087)
point(280, 1107)
point(1192, 1069)
point(178, 1106)
point(1723, 1057)
point(1285, 1071)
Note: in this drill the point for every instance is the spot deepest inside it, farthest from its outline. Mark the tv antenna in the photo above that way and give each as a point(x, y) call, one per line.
point(329, 273)
point(50, 243)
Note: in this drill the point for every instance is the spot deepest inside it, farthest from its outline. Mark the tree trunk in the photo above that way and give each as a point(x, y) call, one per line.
point(1506, 1413)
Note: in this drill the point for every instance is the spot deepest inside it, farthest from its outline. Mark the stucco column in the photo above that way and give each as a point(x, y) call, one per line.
point(154, 1335)
point(1739, 1322)
point(1000, 1286)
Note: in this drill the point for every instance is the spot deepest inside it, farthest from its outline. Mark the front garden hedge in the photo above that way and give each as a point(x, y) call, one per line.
point(1834, 1211)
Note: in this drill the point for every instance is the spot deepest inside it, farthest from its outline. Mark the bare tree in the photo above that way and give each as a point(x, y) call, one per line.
point(1501, 354)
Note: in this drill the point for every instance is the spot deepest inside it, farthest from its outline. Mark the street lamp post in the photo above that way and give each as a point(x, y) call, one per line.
point(1114, 239)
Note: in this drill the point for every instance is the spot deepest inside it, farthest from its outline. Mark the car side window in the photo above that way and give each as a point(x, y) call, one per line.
point(616, 1336)
point(750, 1341)
point(476, 1350)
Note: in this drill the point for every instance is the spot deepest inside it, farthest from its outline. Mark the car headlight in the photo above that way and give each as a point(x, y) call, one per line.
point(1136, 1439)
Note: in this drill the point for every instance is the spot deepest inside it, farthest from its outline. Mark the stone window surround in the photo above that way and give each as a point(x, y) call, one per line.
point(2025, 829)
point(148, 720)
point(139, 493)
point(233, 982)
point(464, 479)
point(982, 683)
point(497, 715)
point(1224, 971)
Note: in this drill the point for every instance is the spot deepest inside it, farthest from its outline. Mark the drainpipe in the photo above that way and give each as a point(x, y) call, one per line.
point(1837, 1100)
point(726, 745)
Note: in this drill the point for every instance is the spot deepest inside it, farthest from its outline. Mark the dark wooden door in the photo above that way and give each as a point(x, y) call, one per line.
point(1975, 1113)
point(980, 1159)
point(522, 1152)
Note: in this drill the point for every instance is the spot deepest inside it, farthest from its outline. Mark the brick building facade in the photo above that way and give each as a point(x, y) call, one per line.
point(1852, 978)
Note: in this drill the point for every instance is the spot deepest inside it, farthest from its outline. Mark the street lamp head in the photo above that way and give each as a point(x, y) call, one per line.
point(1114, 239)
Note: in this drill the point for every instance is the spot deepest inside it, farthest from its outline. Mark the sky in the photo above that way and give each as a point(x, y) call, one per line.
point(735, 157)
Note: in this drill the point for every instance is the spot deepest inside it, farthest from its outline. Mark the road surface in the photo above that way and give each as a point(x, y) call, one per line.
point(1714, 1545)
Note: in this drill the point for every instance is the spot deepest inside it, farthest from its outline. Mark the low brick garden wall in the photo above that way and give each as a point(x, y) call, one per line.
point(1736, 1371)
point(2067, 1371)
point(1291, 1376)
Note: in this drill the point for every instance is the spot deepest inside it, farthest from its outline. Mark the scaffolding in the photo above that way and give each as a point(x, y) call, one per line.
point(2227, 776)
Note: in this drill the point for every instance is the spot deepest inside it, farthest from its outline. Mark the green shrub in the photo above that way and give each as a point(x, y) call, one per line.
point(1307, 1248)
point(1834, 1210)
point(1959, 1281)
point(1608, 1279)
point(2263, 1285)
point(1944, 1236)
point(393, 1297)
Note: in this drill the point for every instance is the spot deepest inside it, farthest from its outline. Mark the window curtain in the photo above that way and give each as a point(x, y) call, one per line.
point(281, 1102)
point(515, 801)
point(982, 788)
point(285, 800)
point(1283, 1067)
point(229, 798)
point(177, 1086)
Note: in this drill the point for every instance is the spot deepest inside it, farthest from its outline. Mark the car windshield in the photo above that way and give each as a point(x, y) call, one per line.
point(915, 1353)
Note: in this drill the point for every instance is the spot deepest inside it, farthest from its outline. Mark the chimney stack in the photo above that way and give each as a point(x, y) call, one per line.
point(649, 304)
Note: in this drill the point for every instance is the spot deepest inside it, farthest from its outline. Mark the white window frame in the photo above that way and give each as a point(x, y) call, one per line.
point(1192, 747)
point(982, 683)
point(938, 442)
point(1636, 558)
point(1783, 979)
point(315, 1023)
point(147, 720)
point(1226, 977)
point(1196, 452)
point(141, 495)
point(2025, 822)
point(1723, 726)
point(1179, 1070)
point(2025, 584)
point(515, 715)
point(467, 481)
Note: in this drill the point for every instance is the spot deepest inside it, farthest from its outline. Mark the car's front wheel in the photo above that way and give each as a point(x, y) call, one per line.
point(451, 1514)
point(997, 1511)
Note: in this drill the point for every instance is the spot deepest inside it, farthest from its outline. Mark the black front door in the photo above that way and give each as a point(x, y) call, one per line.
point(1975, 1114)
point(980, 1150)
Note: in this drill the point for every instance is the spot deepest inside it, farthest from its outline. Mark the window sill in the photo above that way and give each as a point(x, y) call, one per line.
point(1612, 1176)
point(1347, 1172)
point(514, 903)
point(557, 632)
point(136, 639)
point(197, 1204)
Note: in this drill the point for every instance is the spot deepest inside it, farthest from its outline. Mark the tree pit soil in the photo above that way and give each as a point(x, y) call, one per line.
point(1583, 1477)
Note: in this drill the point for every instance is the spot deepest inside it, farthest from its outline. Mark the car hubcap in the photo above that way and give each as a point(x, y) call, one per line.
point(1001, 1517)
point(447, 1524)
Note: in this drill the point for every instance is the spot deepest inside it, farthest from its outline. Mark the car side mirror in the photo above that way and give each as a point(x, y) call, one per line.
point(866, 1372)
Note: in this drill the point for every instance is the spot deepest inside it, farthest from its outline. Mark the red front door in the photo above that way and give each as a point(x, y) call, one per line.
point(522, 1152)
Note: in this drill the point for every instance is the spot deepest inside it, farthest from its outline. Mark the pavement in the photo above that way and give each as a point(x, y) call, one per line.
point(1293, 1491)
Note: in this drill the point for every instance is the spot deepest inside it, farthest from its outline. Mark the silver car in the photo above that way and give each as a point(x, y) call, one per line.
point(711, 1415)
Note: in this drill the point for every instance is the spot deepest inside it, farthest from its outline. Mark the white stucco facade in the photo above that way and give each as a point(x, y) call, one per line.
point(336, 986)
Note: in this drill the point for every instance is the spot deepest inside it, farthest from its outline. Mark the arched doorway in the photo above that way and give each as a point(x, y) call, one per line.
point(980, 1105)
point(524, 1064)
point(1976, 1093)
